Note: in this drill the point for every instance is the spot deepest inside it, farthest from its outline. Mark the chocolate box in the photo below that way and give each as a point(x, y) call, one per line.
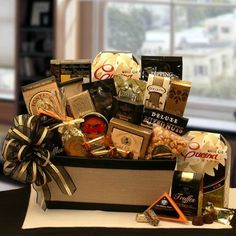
point(67, 71)
point(127, 110)
point(112, 184)
point(129, 137)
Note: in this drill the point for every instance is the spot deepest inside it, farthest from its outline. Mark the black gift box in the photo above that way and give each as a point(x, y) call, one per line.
point(127, 110)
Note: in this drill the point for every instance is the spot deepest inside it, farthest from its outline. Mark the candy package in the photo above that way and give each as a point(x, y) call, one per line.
point(209, 154)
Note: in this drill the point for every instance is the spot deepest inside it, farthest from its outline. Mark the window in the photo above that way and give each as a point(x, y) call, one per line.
point(225, 30)
point(7, 49)
point(200, 70)
point(190, 29)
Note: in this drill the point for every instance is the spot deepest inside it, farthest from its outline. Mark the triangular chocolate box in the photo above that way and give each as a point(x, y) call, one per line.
point(166, 209)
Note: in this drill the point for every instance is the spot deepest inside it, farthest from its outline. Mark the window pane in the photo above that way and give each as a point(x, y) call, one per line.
point(206, 38)
point(202, 32)
point(143, 29)
point(7, 49)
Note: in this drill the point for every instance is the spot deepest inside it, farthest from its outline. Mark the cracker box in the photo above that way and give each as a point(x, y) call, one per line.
point(113, 185)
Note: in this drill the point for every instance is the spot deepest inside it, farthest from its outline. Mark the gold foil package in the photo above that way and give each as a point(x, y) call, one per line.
point(165, 144)
point(151, 217)
point(177, 97)
point(221, 215)
point(108, 64)
point(103, 147)
point(129, 137)
point(67, 71)
point(141, 218)
point(128, 104)
point(99, 143)
point(166, 94)
point(73, 139)
point(80, 104)
point(113, 153)
point(130, 89)
point(208, 154)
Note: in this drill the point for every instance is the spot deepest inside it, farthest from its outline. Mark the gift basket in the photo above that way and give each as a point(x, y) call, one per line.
point(110, 134)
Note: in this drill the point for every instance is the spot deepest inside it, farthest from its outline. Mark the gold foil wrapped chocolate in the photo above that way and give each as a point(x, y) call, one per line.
point(222, 215)
point(129, 88)
point(103, 147)
point(108, 64)
point(99, 143)
point(141, 218)
point(113, 153)
point(72, 140)
point(151, 217)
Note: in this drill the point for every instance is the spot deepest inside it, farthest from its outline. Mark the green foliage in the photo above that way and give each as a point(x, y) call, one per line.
point(196, 15)
point(126, 29)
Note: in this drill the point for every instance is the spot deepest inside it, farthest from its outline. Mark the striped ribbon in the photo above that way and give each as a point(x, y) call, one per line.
point(27, 158)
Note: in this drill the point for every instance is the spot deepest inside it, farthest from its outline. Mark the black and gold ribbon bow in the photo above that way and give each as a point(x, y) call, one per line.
point(26, 154)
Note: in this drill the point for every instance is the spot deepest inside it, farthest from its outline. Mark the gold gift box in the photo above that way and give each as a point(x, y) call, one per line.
point(129, 137)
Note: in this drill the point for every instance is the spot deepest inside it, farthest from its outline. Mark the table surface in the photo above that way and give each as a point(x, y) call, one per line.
point(13, 206)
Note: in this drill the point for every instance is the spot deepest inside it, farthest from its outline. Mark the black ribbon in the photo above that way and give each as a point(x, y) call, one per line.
point(26, 154)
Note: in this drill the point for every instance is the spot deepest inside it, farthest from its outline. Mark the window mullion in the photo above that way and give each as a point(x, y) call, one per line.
point(172, 28)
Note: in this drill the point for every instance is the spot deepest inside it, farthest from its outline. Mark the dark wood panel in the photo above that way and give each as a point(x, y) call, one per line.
point(7, 112)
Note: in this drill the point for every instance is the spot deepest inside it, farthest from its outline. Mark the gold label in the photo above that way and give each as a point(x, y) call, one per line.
point(41, 100)
point(127, 141)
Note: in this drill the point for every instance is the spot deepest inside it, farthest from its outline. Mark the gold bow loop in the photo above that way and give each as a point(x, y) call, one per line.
point(27, 151)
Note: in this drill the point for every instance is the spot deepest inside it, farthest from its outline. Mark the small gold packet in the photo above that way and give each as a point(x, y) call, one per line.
point(80, 104)
point(177, 97)
point(72, 140)
point(222, 215)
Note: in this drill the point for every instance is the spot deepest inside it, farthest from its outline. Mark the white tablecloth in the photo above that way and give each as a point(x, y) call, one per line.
point(36, 218)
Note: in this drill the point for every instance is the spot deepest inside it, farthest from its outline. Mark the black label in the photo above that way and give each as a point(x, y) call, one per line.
point(163, 66)
point(165, 209)
point(171, 122)
point(185, 192)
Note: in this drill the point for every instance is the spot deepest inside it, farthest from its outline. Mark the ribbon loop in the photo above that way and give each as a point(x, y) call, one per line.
point(26, 154)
